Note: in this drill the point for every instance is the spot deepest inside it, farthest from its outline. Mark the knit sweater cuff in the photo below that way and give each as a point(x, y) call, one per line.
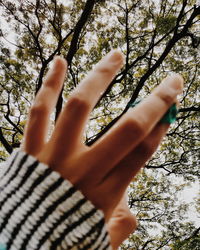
point(41, 210)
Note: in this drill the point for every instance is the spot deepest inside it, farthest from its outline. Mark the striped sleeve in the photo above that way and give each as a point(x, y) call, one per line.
point(41, 210)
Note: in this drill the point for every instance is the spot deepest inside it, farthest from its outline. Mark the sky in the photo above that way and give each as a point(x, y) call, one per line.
point(188, 195)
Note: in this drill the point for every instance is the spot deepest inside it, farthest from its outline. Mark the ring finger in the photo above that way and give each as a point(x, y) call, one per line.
point(134, 126)
point(117, 180)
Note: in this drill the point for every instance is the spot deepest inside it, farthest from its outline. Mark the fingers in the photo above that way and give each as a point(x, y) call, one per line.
point(116, 181)
point(45, 101)
point(135, 125)
point(119, 177)
point(97, 81)
point(71, 123)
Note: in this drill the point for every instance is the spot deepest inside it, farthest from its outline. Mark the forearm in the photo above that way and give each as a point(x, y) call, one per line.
point(41, 210)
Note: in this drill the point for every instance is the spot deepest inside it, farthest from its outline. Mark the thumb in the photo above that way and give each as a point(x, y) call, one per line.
point(121, 223)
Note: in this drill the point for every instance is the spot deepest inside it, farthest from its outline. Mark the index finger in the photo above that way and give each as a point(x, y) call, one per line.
point(39, 115)
point(135, 125)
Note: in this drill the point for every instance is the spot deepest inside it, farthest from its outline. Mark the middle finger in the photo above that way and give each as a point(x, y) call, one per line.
point(71, 123)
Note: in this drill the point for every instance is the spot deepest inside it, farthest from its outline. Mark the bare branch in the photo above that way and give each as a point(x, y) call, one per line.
point(5, 143)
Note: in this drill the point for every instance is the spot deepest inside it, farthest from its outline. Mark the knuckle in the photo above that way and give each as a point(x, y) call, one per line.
point(78, 102)
point(50, 86)
point(38, 109)
point(146, 147)
point(133, 126)
point(166, 98)
point(104, 70)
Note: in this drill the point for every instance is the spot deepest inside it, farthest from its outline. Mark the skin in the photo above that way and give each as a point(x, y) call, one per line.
point(123, 150)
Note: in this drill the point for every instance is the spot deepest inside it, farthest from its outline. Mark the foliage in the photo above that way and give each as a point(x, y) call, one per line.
point(157, 37)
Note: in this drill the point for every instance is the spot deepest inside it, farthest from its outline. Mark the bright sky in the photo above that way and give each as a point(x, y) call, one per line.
point(187, 195)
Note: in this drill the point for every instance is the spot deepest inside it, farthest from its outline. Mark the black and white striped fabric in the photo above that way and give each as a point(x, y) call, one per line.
point(41, 210)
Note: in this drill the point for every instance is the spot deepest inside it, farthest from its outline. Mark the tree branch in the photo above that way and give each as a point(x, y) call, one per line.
point(74, 43)
point(5, 143)
point(193, 108)
point(78, 28)
point(176, 37)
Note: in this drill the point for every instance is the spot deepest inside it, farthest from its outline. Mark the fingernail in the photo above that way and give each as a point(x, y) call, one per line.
point(174, 83)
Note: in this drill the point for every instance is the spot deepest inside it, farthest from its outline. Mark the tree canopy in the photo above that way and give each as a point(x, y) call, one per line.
point(156, 37)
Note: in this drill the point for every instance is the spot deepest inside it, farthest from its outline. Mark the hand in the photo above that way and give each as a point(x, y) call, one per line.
point(106, 168)
point(121, 223)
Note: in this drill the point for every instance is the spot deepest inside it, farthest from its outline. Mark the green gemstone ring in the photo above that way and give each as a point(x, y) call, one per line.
point(2, 246)
point(169, 117)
